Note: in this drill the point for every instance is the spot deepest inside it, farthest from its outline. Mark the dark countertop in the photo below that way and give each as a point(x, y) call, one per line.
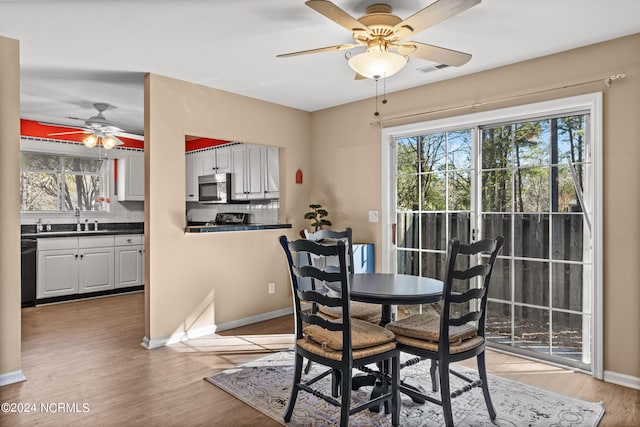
point(238, 227)
point(69, 230)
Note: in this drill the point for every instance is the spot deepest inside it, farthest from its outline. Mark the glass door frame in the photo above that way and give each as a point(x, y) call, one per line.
point(589, 103)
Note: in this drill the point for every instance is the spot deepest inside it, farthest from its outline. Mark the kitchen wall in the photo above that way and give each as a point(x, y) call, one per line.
point(197, 282)
point(350, 184)
point(10, 324)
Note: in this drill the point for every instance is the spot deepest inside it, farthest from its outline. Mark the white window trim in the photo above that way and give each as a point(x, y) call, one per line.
point(592, 103)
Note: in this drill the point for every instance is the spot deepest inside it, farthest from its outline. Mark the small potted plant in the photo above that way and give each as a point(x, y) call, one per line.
point(317, 215)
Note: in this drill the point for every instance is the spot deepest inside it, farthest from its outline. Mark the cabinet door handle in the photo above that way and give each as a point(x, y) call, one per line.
point(128, 240)
point(140, 251)
point(76, 256)
point(81, 256)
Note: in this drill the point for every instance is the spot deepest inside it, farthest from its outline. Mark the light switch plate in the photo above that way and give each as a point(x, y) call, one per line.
point(373, 216)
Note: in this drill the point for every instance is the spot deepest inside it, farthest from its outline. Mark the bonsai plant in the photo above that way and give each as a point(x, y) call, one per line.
point(317, 216)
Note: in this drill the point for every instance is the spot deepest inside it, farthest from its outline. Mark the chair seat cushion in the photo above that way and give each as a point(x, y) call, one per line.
point(359, 310)
point(458, 347)
point(363, 335)
point(329, 353)
point(427, 327)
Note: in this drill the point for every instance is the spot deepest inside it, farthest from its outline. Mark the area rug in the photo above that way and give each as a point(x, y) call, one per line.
point(265, 385)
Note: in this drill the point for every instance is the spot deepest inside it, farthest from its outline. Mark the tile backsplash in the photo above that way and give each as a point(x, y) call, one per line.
point(260, 211)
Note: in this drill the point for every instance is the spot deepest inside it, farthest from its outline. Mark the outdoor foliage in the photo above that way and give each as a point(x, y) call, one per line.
point(60, 183)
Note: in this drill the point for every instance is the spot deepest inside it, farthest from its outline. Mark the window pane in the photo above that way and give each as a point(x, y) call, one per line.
point(531, 143)
point(408, 262)
point(571, 141)
point(460, 149)
point(563, 190)
point(407, 230)
point(434, 234)
point(408, 192)
point(498, 323)
point(532, 190)
point(38, 191)
point(531, 235)
point(81, 191)
point(433, 265)
point(498, 225)
point(567, 335)
point(496, 191)
point(568, 237)
point(459, 226)
point(497, 147)
point(567, 286)
point(433, 192)
point(531, 329)
point(500, 285)
point(407, 152)
point(434, 152)
point(460, 191)
point(531, 282)
point(38, 161)
point(82, 165)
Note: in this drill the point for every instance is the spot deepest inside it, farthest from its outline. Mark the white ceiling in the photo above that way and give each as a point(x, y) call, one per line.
point(77, 52)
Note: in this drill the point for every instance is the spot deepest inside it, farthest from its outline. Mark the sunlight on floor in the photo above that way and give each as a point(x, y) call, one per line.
point(218, 344)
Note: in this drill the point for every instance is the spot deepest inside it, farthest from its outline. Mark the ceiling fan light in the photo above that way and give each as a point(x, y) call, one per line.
point(109, 142)
point(375, 64)
point(90, 141)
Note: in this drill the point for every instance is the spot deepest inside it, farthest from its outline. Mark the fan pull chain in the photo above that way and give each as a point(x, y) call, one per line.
point(376, 113)
point(384, 91)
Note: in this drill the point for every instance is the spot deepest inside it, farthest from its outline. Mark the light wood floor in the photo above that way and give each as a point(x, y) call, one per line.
point(89, 353)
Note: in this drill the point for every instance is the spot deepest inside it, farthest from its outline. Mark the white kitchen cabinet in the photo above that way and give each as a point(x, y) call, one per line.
point(223, 159)
point(57, 269)
point(191, 176)
point(71, 265)
point(272, 173)
point(129, 254)
point(247, 168)
point(131, 177)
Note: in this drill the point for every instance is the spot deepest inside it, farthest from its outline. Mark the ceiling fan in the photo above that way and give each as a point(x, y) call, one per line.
point(100, 130)
point(381, 33)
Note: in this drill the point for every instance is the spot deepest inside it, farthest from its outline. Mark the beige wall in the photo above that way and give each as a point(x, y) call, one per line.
point(196, 281)
point(10, 212)
point(351, 185)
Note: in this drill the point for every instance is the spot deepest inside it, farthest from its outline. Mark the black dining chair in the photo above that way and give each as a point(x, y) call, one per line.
point(339, 344)
point(359, 310)
point(458, 333)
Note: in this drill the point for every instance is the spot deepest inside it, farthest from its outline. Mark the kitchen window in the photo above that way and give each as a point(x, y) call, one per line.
point(56, 183)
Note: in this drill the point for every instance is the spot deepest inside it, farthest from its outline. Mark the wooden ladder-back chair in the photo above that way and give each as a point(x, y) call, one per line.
point(459, 332)
point(339, 344)
point(359, 310)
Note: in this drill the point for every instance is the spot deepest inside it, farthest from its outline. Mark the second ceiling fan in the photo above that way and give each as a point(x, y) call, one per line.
point(381, 33)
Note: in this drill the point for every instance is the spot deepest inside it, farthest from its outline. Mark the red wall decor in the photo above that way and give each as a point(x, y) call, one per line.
point(298, 176)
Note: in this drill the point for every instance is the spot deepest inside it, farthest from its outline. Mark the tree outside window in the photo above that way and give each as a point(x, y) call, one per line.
point(53, 183)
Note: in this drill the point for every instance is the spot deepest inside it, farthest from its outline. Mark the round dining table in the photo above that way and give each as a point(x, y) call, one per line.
point(389, 289)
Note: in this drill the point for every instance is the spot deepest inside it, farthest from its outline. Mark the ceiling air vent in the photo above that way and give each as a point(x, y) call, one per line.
point(431, 68)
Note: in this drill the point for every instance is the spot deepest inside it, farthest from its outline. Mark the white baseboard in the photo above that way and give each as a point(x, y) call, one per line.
point(12, 377)
point(622, 379)
point(150, 344)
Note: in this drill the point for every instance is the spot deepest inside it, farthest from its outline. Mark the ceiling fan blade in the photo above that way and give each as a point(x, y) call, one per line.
point(68, 133)
point(359, 77)
point(432, 53)
point(61, 126)
point(336, 14)
point(130, 136)
point(321, 49)
point(431, 15)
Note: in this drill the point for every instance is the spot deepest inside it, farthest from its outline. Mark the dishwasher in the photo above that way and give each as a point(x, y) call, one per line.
point(28, 249)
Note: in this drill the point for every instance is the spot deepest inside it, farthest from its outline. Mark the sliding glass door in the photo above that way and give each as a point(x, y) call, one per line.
point(530, 179)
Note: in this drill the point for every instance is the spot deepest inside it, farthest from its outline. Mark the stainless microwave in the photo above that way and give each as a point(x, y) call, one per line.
point(214, 188)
